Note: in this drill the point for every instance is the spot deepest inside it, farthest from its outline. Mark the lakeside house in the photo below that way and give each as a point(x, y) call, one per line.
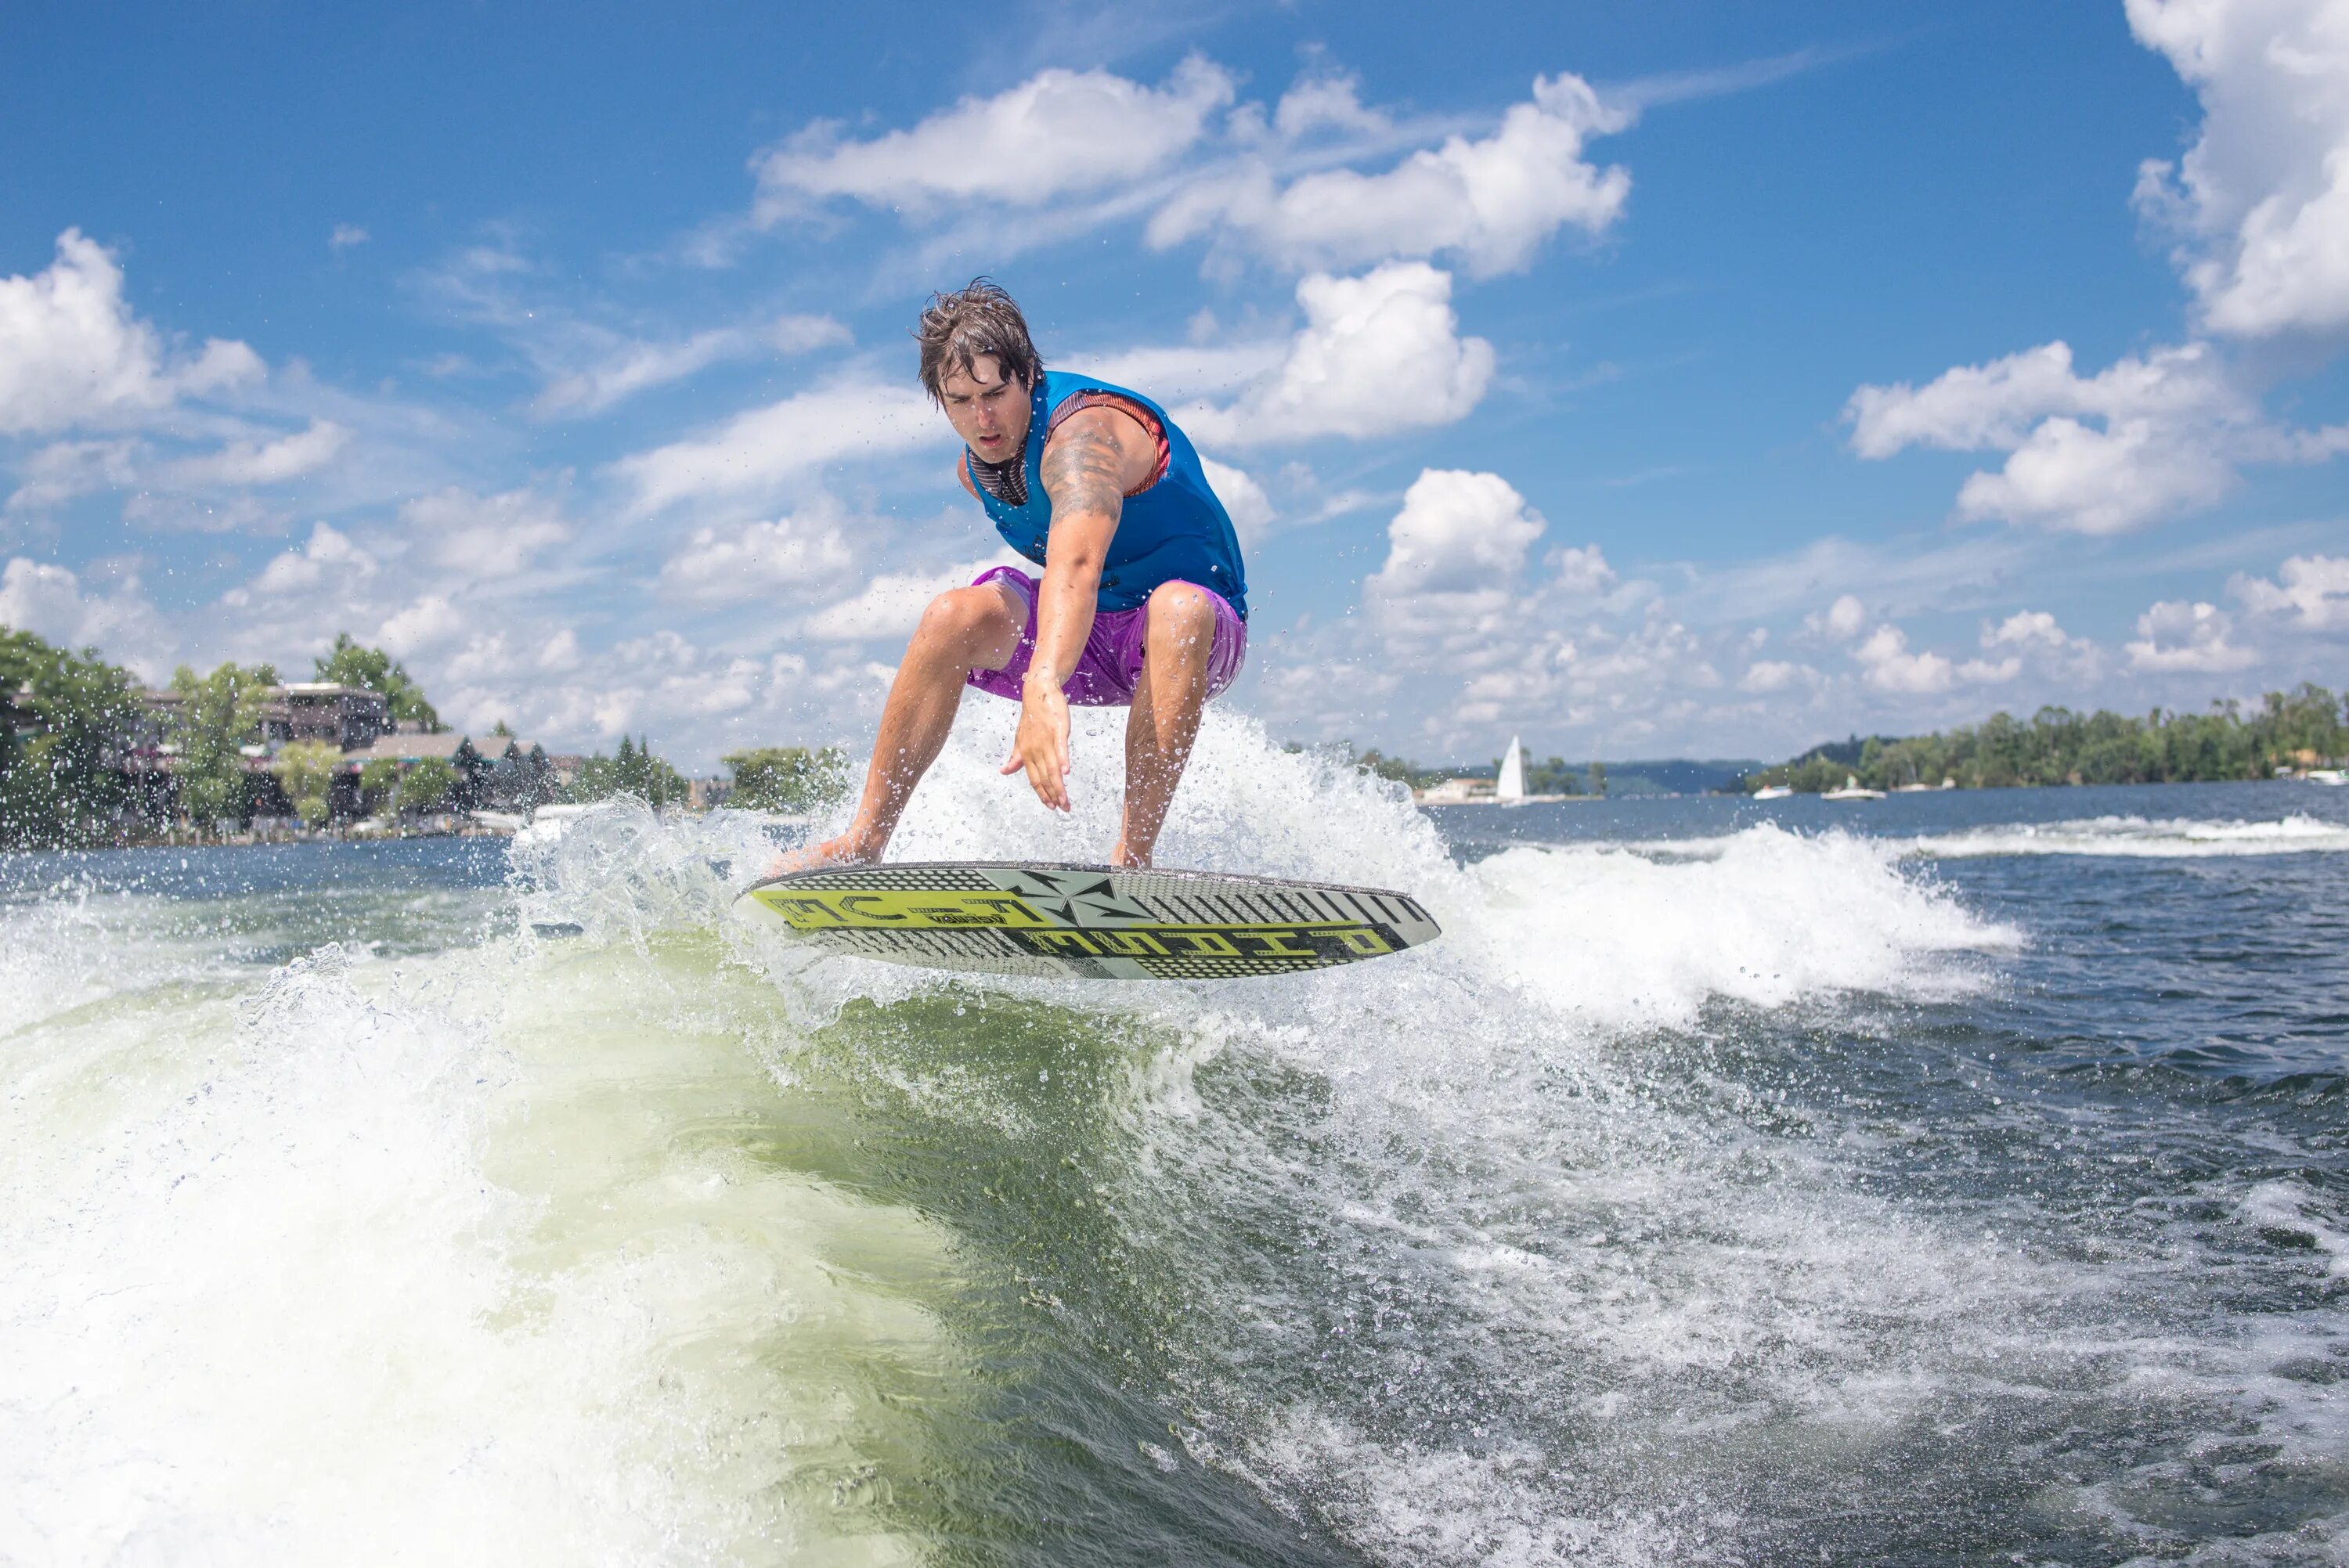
point(499, 773)
point(498, 770)
point(1456, 792)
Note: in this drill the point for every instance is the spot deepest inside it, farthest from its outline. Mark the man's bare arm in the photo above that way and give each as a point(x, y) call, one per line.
point(1090, 462)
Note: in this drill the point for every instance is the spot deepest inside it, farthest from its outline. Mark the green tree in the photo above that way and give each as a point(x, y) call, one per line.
point(1596, 775)
point(218, 714)
point(786, 778)
point(354, 664)
point(1397, 769)
point(633, 771)
point(2304, 727)
point(379, 784)
point(427, 785)
point(305, 771)
point(61, 783)
point(1552, 778)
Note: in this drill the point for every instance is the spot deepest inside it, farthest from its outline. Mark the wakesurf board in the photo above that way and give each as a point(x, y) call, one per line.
point(1094, 923)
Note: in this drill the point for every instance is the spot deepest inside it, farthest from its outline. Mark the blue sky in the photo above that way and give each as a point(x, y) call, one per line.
point(1671, 378)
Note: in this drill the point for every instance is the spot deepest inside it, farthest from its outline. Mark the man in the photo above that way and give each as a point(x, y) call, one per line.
point(1143, 603)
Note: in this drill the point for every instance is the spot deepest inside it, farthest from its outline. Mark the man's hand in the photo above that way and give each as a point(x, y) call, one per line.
point(1041, 746)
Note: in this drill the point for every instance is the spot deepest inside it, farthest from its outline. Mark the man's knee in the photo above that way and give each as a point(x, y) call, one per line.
point(960, 614)
point(1183, 613)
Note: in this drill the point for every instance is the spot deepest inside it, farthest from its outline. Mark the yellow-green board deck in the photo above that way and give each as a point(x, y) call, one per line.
point(1089, 922)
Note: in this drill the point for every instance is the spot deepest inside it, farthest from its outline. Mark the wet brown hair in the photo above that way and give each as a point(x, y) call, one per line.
point(977, 319)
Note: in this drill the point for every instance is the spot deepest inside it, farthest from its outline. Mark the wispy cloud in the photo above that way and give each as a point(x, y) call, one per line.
point(1640, 94)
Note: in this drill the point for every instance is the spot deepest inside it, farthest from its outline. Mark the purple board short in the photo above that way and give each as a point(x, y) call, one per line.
point(1111, 661)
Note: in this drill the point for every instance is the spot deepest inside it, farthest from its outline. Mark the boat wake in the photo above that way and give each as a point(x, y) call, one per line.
point(1639, 1218)
point(2141, 838)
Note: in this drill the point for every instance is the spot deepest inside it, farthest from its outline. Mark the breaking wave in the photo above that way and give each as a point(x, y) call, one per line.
point(601, 1228)
point(2140, 837)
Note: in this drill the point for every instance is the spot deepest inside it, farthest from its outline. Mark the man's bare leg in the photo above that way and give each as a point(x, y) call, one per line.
point(964, 629)
point(1168, 702)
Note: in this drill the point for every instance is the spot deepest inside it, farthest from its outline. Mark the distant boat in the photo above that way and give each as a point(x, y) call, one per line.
point(1510, 790)
point(2334, 776)
point(1507, 789)
point(1852, 792)
point(1771, 792)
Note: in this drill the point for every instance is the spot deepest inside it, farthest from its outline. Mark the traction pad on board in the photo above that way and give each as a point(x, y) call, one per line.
point(1089, 922)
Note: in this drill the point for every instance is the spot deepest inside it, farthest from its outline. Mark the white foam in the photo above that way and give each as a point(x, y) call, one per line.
point(413, 1262)
point(1488, 1141)
point(1622, 935)
point(2165, 838)
point(2288, 1209)
point(621, 873)
point(1646, 936)
point(76, 946)
point(366, 1270)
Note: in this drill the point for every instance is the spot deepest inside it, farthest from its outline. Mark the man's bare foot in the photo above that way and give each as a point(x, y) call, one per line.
point(1127, 860)
point(843, 851)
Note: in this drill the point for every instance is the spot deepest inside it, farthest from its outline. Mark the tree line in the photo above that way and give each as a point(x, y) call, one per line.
point(2305, 728)
point(69, 718)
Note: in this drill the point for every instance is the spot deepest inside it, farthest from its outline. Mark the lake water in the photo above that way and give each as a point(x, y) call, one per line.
point(1958, 1178)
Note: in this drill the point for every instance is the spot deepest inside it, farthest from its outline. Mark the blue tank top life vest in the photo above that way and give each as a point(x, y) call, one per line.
point(1175, 529)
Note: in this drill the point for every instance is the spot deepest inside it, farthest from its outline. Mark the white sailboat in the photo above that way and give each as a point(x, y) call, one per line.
point(1510, 788)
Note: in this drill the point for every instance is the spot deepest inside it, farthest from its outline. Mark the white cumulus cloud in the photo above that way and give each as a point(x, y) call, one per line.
point(72, 353)
point(1841, 621)
point(1251, 509)
point(483, 536)
point(63, 469)
point(1379, 354)
point(2175, 636)
point(893, 601)
point(50, 601)
point(1455, 553)
point(1057, 133)
point(2148, 438)
point(1887, 663)
point(2026, 629)
point(1579, 571)
point(795, 559)
point(2262, 199)
point(1458, 532)
point(2259, 204)
point(264, 462)
point(759, 449)
point(1763, 676)
point(328, 553)
point(2312, 592)
point(428, 623)
point(1489, 202)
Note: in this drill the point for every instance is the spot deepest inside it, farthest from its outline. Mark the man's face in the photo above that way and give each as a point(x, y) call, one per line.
point(988, 409)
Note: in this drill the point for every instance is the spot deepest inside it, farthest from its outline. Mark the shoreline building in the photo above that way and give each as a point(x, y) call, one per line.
point(505, 771)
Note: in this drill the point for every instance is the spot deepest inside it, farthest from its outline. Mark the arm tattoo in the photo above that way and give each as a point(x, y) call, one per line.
point(1082, 471)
